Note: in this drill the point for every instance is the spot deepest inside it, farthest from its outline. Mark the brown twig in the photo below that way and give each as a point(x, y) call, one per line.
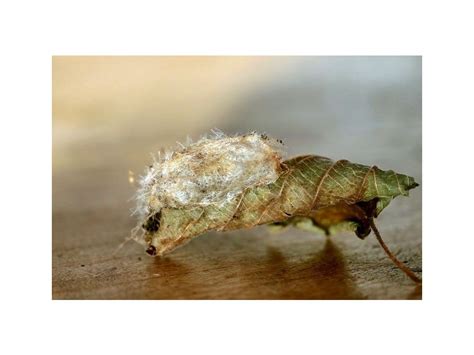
point(397, 262)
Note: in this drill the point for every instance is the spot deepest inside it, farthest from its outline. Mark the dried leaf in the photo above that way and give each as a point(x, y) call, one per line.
point(226, 183)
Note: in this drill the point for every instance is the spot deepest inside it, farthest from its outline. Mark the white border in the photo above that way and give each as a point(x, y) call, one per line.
point(33, 31)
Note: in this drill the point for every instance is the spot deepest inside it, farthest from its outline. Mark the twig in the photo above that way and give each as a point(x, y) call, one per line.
point(397, 262)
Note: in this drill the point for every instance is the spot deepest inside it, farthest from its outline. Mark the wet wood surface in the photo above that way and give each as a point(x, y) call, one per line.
point(88, 262)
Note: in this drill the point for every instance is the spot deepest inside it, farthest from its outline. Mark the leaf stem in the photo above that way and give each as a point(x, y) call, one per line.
point(397, 262)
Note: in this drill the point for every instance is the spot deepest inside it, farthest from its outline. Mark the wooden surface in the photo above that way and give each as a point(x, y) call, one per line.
point(250, 264)
point(98, 136)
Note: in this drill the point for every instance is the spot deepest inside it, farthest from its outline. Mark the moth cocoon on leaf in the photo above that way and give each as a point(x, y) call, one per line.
point(231, 182)
point(211, 173)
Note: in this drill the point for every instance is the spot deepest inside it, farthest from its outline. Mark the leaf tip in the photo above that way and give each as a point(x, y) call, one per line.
point(412, 185)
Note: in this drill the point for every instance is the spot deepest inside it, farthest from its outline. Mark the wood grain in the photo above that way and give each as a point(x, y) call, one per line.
point(246, 264)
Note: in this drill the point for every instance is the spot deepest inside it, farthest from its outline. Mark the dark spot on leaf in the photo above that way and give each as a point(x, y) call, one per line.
point(282, 224)
point(151, 250)
point(362, 230)
point(152, 224)
point(368, 207)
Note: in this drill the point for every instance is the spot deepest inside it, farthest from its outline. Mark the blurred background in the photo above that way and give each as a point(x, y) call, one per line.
point(110, 113)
